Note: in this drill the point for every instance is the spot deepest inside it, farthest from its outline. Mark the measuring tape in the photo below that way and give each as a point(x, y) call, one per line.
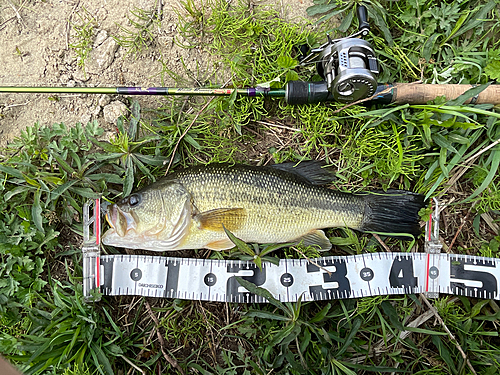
point(334, 277)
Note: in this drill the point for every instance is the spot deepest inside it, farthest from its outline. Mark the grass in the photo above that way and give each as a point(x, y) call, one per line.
point(141, 34)
point(443, 149)
point(83, 37)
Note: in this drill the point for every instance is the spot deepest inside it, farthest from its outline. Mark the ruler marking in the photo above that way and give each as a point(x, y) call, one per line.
point(136, 266)
point(427, 265)
point(471, 276)
point(209, 286)
point(365, 266)
point(288, 286)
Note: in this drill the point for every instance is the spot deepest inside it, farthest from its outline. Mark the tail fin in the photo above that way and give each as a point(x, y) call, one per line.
point(393, 213)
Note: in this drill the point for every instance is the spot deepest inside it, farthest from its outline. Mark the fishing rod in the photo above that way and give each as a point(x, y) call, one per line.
point(349, 69)
point(295, 92)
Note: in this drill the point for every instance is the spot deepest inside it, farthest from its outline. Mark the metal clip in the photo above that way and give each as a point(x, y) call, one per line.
point(432, 245)
point(91, 250)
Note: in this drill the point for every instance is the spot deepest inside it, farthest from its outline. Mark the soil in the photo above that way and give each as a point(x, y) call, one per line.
point(36, 38)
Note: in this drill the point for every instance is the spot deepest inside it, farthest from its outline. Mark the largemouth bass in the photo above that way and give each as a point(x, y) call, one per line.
point(189, 209)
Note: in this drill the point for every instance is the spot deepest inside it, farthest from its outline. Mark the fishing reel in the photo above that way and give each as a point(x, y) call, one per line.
point(348, 66)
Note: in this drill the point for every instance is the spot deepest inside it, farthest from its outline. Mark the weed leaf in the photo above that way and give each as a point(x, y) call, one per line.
point(11, 171)
point(101, 359)
point(110, 178)
point(493, 70)
point(320, 9)
point(266, 315)
point(346, 22)
point(85, 192)
point(17, 190)
point(64, 165)
point(478, 18)
point(128, 182)
point(391, 312)
point(429, 46)
point(321, 314)
point(377, 369)
point(285, 61)
point(241, 245)
point(36, 211)
point(468, 95)
point(492, 173)
point(252, 288)
point(56, 193)
point(134, 120)
point(443, 142)
point(444, 353)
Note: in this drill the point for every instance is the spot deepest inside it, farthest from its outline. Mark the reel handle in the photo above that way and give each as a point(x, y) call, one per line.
point(364, 26)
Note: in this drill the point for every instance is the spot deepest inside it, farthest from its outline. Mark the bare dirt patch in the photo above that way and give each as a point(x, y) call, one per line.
point(36, 39)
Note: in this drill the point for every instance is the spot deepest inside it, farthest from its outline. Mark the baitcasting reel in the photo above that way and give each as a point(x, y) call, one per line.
point(348, 67)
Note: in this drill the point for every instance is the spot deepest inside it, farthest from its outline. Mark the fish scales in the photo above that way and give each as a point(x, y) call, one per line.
point(278, 205)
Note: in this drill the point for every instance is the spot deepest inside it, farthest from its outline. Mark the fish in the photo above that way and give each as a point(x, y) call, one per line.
point(282, 203)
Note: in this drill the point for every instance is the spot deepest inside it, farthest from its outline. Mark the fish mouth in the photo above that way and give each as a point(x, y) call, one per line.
point(122, 222)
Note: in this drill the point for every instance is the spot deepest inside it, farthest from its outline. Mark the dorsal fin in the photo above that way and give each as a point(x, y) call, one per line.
point(311, 170)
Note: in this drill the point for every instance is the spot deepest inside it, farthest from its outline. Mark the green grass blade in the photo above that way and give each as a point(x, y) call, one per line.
point(101, 359)
point(492, 173)
point(356, 324)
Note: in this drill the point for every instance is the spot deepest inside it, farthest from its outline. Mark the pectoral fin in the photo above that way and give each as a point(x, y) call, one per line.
point(316, 237)
point(231, 218)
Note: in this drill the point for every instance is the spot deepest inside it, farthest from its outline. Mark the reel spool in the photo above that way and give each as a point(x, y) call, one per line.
point(349, 68)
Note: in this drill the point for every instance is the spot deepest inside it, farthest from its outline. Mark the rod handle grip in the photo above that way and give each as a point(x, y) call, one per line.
point(422, 93)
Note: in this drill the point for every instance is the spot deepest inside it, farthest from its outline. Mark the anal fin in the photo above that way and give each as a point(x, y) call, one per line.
point(220, 245)
point(316, 238)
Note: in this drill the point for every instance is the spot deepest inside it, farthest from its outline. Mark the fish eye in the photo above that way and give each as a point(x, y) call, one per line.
point(134, 200)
